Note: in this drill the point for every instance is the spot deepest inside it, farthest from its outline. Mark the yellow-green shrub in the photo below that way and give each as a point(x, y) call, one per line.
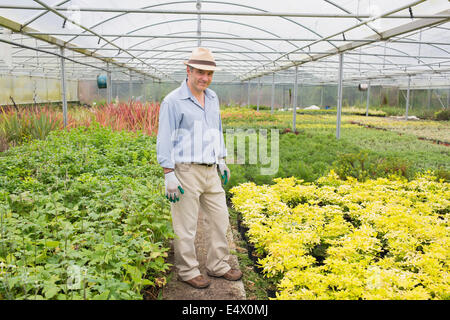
point(336, 239)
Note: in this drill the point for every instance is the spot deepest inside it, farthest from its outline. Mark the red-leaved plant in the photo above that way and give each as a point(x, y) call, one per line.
point(132, 116)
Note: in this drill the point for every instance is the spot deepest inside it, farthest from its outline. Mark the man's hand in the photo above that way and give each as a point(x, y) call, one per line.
point(173, 187)
point(224, 172)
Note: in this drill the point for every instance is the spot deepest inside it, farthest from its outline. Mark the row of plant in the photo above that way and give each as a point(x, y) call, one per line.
point(440, 114)
point(346, 111)
point(420, 111)
point(26, 124)
point(433, 130)
point(360, 153)
point(133, 116)
point(246, 117)
point(302, 110)
point(83, 216)
point(384, 238)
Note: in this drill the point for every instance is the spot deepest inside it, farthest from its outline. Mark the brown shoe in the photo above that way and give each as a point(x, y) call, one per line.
point(199, 282)
point(231, 275)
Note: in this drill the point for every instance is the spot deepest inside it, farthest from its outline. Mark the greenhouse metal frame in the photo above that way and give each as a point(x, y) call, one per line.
point(401, 43)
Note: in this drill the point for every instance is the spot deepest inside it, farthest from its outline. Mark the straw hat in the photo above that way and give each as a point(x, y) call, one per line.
point(202, 58)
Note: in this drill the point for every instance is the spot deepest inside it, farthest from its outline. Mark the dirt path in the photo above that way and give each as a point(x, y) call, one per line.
point(220, 289)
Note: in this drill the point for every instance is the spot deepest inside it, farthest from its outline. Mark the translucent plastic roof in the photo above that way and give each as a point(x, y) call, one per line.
point(381, 40)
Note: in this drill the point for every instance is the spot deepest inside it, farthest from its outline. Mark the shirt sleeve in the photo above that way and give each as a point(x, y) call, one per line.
point(164, 144)
point(223, 149)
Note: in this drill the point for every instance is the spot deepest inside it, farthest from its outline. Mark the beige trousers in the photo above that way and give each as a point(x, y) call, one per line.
point(202, 191)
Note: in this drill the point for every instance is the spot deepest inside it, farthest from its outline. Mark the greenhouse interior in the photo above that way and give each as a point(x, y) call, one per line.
point(354, 91)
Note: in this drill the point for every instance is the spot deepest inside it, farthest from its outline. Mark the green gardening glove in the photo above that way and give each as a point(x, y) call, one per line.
point(173, 187)
point(224, 172)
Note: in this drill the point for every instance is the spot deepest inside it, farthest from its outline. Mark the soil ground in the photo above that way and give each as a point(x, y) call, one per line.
point(220, 289)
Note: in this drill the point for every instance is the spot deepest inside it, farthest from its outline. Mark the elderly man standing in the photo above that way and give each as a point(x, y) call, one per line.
point(190, 148)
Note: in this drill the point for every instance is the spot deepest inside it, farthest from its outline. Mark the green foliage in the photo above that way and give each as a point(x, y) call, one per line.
point(360, 152)
point(261, 107)
point(16, 128)
point(345, 110)
point(359, 166)
point(352, 165)
point(83, 216)
point(442, 115)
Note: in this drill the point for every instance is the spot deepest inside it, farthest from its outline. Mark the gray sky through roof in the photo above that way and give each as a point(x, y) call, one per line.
point(381, 40)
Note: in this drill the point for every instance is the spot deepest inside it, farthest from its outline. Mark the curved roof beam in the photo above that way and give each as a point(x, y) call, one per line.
point(228, 34)
point(417, 24)
point(285, 18)
point(183, 41)
point(205, 19)
point(212, 47)
point(219, 2)
point(193, 32)
point(42, 14)
point(37, 57)
point(360, 20)
point(398, 50)
point(191, 19)
point(14, 26)
point(194, 19)
point(355, 60)
point(58, 55)
point(85, 28)
point(348, 11)
point(384, 60)
point(189, 47)
point(394, 40)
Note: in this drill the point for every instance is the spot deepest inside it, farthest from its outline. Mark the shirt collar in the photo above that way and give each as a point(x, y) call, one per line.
point(185, 92)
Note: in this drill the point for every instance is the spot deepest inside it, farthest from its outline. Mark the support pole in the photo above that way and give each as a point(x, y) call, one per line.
point(368, 99)
point(258, 93)
point(398, 97)
point(63, 87)
point(339, 100)
point(248, 93)
point(145, 91)
point(407, 98)
point(294, 104)
point(448, 97)
point(130, 87)
point(108, 84)
point(321, 97)
point(300, 94)
point(199, 22)
point(272, 101)
point(429, 98)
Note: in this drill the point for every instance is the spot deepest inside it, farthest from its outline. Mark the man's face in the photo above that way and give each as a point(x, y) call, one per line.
point(199, 79)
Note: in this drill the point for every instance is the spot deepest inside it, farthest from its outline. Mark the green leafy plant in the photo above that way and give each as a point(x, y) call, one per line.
point(442, 115)
point(83, 216)
point(28, 124)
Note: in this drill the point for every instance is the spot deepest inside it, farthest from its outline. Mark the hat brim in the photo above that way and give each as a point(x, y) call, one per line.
point(201, 66)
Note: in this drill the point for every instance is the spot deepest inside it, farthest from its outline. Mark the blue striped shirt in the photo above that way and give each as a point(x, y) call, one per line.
point(188, 132)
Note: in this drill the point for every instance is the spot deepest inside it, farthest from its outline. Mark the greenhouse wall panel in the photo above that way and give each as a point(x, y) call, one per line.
point(26, 89)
